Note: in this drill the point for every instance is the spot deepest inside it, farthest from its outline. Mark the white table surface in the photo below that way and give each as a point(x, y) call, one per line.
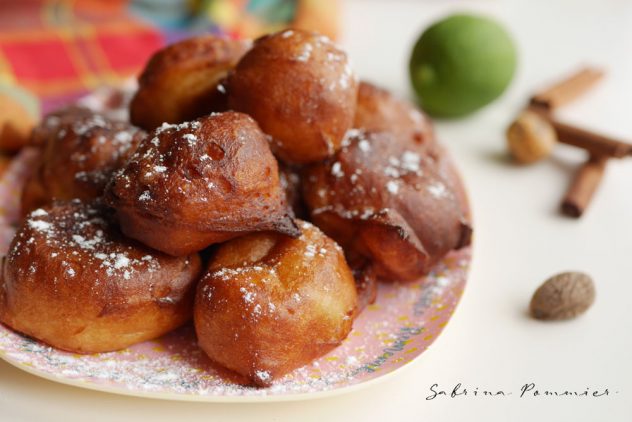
point(521, 239)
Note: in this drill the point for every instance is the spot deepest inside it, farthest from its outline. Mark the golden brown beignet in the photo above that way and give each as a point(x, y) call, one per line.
point(300, 89)
point(387, 200)
point(198, 183)
point(80, 152)
point(73, 281)
point(269, 304)
point(380, 111)
point(181, 82)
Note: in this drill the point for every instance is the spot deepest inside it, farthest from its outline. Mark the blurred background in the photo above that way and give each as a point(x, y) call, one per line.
point(53, 51)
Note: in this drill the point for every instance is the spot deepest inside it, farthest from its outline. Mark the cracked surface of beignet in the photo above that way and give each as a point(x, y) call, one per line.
point(182, 81)
point(198, 183)
point(71, 280)
point(387, 200)
point(80, 150)
point(301, 90)
point(269, 304)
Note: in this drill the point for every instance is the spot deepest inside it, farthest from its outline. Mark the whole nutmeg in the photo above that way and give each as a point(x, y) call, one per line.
point(530, 137)
point(563, 296)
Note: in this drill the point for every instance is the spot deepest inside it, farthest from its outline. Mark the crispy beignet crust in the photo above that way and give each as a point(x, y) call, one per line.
point(269, 304)
point(182, 82)
point(380, 111)
point(387, 200)
point(73, 281)
point(198, 183)
point(300, 89)
point(81, 150)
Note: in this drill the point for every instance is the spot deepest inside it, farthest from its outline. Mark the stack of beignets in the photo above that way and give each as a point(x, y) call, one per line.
point(91, 275)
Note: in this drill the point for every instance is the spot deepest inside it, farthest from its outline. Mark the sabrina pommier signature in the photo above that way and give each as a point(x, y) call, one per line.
point(528, 390)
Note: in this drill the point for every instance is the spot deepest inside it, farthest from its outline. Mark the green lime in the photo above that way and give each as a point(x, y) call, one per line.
point(461, 64)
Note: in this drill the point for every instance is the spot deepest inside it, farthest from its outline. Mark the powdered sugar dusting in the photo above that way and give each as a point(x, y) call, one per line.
point(437, 189)
point(305, 53)
point(408, 162)
point(79, 233)
point(392, 186)
point(336, 169)
point(39, 213)
point(39, 225)
point(177, 127)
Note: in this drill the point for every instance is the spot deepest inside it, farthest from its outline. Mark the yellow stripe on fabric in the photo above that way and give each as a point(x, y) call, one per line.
point(6, 72)
point(52, 87)
point(113, 28)
point(69, 33)
point(93, 49)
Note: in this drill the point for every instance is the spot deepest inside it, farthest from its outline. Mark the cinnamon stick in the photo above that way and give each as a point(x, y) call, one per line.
point(583, 187)
point(566, 90)
point(592, 142)
point(595, 143)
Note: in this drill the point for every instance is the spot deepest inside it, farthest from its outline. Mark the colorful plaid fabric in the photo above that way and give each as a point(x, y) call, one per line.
point(58, 50)
point(61, 49)
point(252, 18)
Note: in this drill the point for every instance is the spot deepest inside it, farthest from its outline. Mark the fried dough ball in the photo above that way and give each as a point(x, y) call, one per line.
point(81, 150)
point(73, 281)
point(198, 183)
point(387, 200)
point(182, 82)
point(300, 89)
point(380, 111)
point(269, 304)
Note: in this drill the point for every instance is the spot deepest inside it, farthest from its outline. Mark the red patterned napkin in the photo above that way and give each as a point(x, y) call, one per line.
point(60, 49)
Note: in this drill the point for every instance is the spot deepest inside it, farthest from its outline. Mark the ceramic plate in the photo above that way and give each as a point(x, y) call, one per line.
point(403, 322)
